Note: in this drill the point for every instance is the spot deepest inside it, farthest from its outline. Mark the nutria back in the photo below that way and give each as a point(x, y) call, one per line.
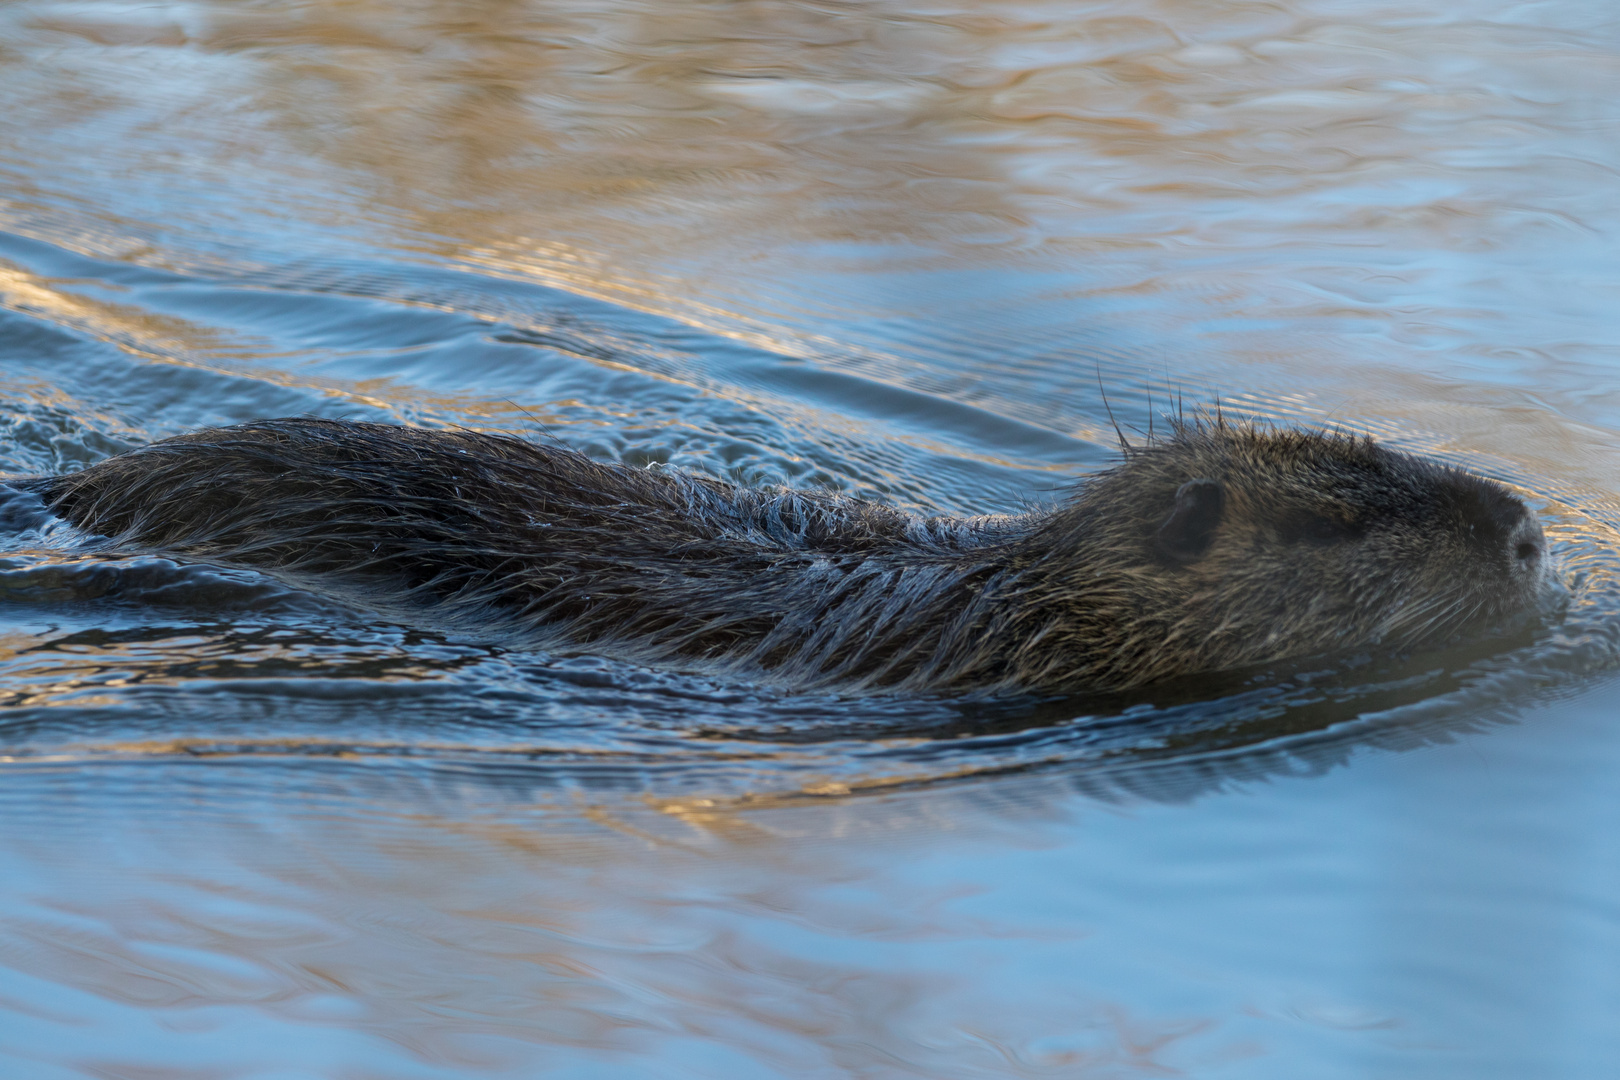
point(1215, 547)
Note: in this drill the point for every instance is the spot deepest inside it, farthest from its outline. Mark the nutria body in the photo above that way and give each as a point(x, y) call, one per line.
point(1216, 547)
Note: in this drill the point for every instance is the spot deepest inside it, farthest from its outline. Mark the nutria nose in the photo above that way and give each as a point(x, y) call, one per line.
point(1499, 520)
point(1526, 544)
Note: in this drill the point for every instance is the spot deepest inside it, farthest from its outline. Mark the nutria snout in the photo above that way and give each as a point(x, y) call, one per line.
point(1217, 546)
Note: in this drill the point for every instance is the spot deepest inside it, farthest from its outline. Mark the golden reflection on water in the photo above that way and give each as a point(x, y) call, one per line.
point(862, 122)
point(474, 113)
point(631, 126)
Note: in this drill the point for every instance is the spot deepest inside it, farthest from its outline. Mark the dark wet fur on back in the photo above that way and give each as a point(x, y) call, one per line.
point(1216, 547)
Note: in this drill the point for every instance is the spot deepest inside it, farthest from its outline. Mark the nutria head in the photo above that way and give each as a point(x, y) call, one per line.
point(1225, 545)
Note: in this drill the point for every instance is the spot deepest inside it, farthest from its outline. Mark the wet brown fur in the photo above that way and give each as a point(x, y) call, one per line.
point(1215, 547)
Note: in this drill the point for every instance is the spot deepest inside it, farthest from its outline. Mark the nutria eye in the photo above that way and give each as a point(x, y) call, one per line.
point(1186, 534)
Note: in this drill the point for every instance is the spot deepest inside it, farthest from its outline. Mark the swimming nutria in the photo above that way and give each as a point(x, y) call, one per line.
point(1218, 546)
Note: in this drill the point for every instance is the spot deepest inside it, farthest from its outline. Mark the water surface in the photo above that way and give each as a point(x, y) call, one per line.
point(896, 250)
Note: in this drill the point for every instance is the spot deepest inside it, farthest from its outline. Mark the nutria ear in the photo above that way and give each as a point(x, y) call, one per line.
point(1186, 533)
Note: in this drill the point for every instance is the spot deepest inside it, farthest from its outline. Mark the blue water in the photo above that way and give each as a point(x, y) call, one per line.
point(926, 255)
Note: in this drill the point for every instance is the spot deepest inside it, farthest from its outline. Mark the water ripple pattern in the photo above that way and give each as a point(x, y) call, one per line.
point(928, 254)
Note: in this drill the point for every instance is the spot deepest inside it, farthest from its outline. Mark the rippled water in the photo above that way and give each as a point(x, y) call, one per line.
point(895, 249)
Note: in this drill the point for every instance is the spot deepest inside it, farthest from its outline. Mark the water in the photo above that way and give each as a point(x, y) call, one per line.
point(898, 250)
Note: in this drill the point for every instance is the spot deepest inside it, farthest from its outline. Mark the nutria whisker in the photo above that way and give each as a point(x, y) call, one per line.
point(1215, 546)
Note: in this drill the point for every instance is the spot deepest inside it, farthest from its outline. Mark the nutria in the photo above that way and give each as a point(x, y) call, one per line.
point(1216, 546)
